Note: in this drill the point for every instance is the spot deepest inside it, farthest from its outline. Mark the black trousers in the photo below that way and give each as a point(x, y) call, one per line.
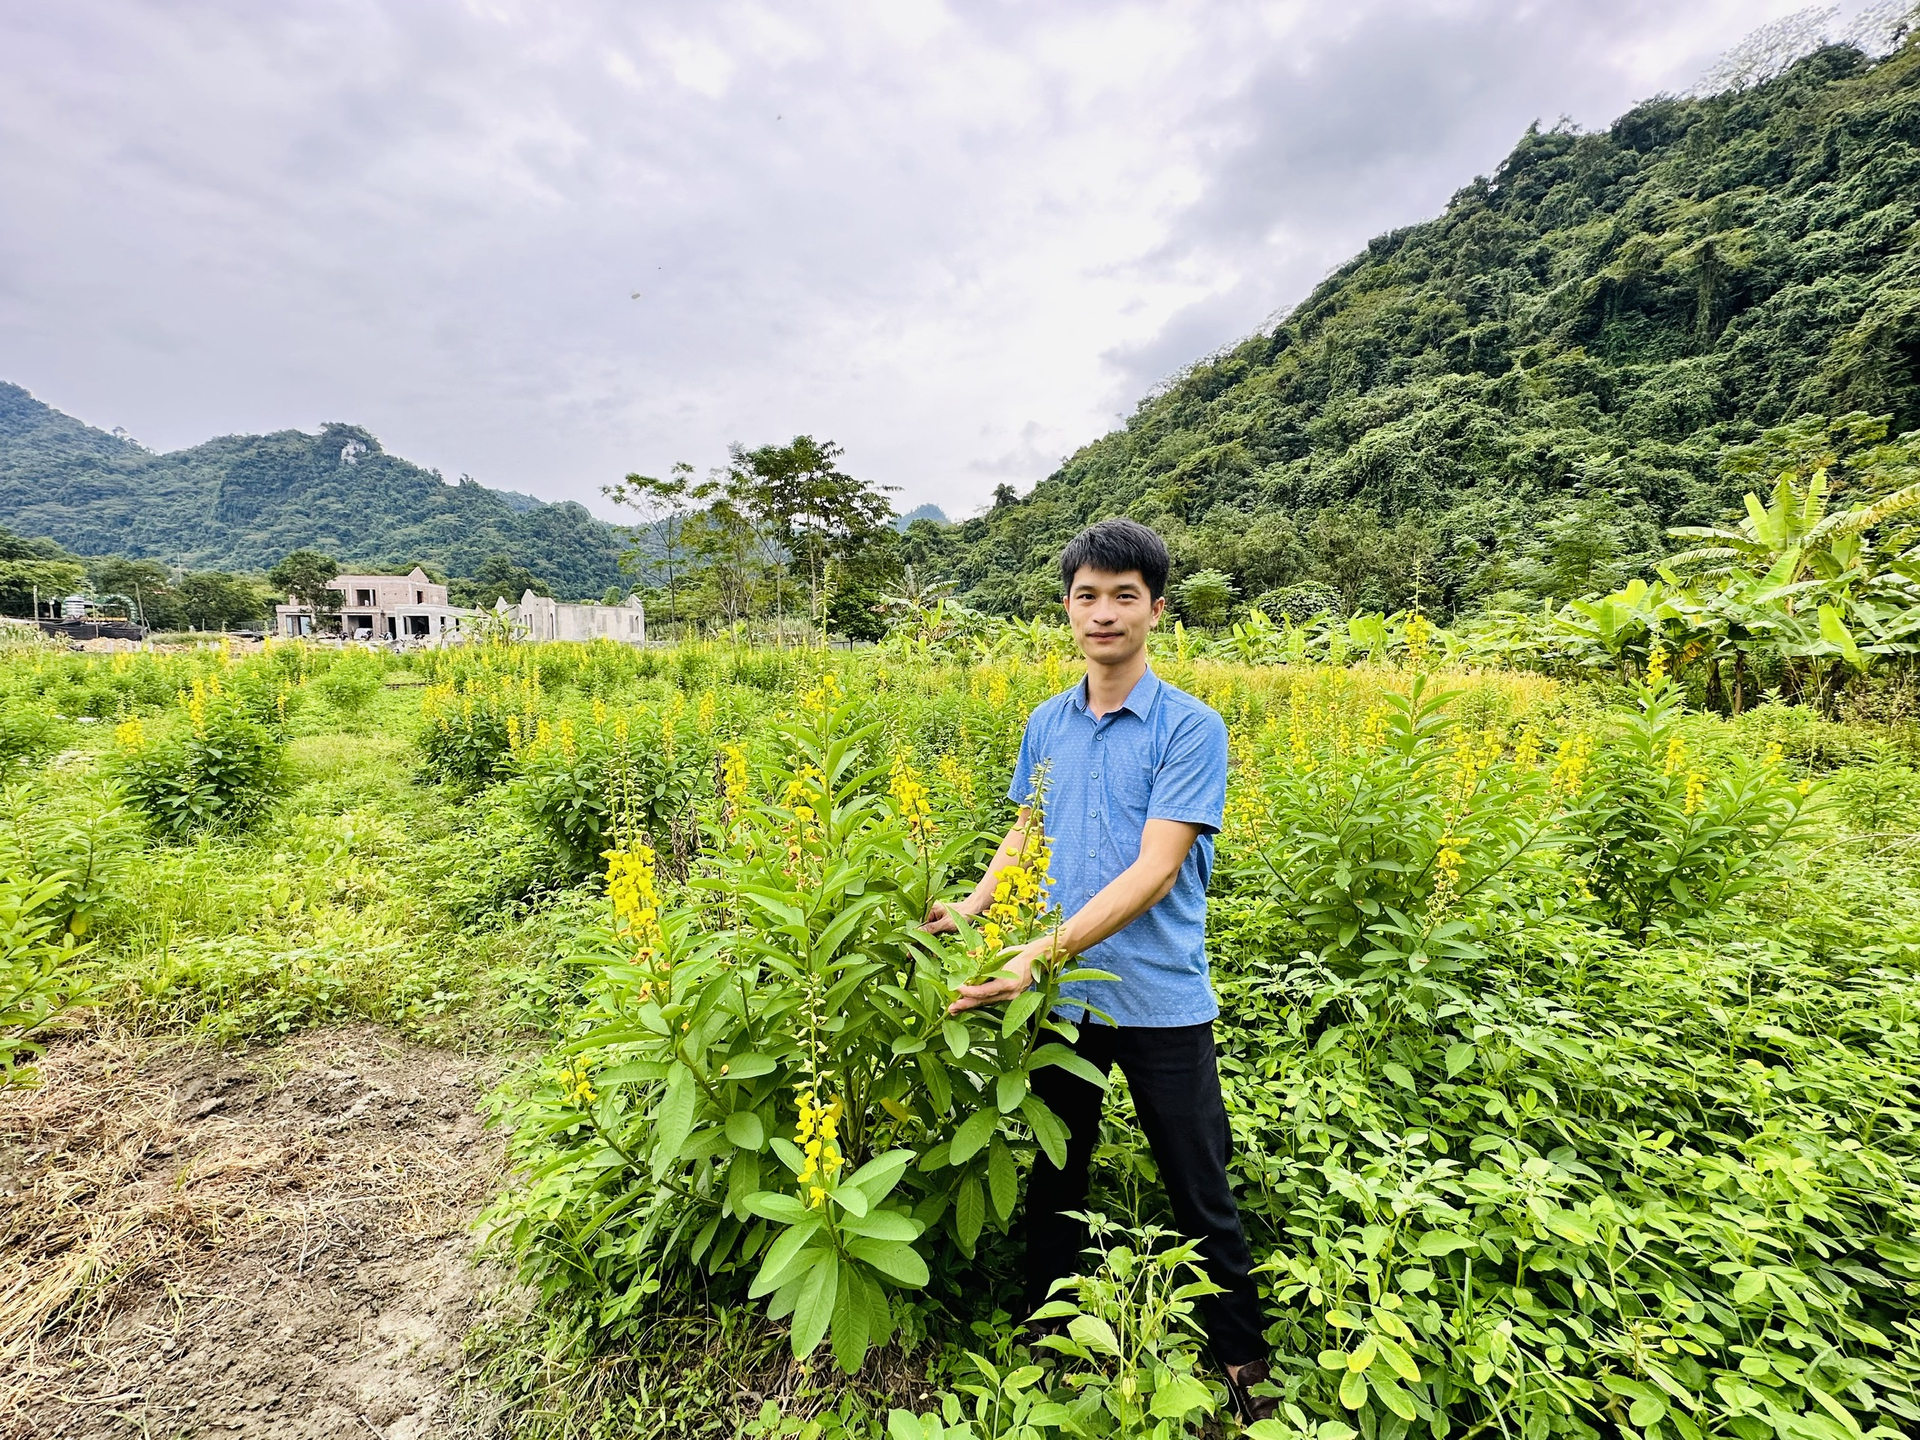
point(1176, 1090)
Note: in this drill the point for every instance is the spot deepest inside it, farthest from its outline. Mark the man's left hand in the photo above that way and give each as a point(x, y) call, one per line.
point(1015, 976)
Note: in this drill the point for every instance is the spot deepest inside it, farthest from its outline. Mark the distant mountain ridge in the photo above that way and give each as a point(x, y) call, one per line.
point(1511, 401)
point(243, 501)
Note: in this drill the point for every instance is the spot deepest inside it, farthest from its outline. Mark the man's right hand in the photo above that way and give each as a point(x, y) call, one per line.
point(940, 919)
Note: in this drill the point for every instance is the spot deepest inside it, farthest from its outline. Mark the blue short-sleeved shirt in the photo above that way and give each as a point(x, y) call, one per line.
point(1161, 756)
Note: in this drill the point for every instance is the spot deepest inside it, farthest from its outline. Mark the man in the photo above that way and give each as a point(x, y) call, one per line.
point(1136, 783)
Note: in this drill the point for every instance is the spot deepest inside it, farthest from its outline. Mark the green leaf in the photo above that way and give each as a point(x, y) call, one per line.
point(672, 1118)
point(879, 1175)
point(1019, 1010)
point(972, 1135)
point(1009, 1089)
point(1181, 1394)
point(882, 1225)
point(1749, 1287)
point(969, 1212)
point(745, 1130)
point(895, 1259)
point(1391, 1395)
point(1047, 1129)
point(813, 1308)
point(852, 1320)
point(1003, 1178)
point(1402, 1363)
point(902, 1425)
point(1460, 1055)
point(1353, 1390)
point(747, 1067)
point(784, 1257)
point(1054, 1053)
point(1398, 1074)
point(773, 1205)
point(1093, 1333)
point(958, 1040)
point(1647, 1410)
point(1443, 1242)
point(851, 1198)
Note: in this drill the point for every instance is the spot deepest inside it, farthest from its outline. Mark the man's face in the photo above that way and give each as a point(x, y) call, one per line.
point(1111, 614)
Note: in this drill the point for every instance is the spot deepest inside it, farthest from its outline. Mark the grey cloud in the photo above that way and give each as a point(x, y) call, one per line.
point(956, 238)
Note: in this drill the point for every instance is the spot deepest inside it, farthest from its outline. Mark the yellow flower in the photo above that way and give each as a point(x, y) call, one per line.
point(1657, 664)
point(636, 902)
point(1569, 772)
point(1696, 791)
point(1676, 755)
point(129, 735)
point(576, 1084)
point(909, 797)
point(733, 776)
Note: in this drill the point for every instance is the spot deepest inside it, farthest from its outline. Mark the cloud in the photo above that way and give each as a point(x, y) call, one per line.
point(545, 245)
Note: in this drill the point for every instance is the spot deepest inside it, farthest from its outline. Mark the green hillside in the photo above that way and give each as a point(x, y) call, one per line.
point(1515, 399)
point(243, 501)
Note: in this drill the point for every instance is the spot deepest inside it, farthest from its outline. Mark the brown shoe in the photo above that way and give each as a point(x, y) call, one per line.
point(1247, 1405)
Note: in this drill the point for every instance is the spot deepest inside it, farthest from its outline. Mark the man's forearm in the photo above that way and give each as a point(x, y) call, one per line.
point(1012, 848)
point(1124, 899)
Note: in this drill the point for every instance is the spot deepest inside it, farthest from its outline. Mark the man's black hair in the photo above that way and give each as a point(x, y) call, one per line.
point(1115, 547)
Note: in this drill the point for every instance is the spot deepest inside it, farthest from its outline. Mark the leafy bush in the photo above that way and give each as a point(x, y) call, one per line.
point(577, 783)
point(351, 682)
point(81, 842)
point(473, 724)
point(28, 734)
point(216, 767)
point(1666, 833)
point(795, 996)
point(39, 970)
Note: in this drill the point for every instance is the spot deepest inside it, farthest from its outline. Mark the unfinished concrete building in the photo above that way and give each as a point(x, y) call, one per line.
point(538, 618)
point(406, 607)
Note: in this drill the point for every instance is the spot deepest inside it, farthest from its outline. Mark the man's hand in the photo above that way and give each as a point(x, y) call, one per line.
point(940, 919)
point(1013, 977)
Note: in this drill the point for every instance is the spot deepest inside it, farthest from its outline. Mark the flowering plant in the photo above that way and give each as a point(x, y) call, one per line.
point(770, 1087)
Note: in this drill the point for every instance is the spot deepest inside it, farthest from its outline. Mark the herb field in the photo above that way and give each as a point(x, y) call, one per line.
point(1570, 1034)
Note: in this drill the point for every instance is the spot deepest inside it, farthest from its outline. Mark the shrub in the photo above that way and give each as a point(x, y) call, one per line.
point(351, 682)
point(28, 734)
point(1666, 832)
point(771, 1086)
point(39, 969)
point(215, 768)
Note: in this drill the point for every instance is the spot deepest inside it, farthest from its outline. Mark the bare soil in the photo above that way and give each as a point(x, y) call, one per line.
point(242, 1242)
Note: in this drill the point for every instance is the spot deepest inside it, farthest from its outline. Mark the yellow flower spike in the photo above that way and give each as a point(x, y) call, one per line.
point(1696, 791)
point(129, 735)
point(1657, 664)
point(1676, 755)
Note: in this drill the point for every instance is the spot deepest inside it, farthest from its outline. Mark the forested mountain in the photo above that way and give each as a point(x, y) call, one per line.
point(1515, 399)
point(243, 501)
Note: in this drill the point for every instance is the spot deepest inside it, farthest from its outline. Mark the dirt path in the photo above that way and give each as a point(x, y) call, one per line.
point(270, 1241)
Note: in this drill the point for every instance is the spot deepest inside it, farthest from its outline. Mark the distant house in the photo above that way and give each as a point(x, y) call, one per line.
point(538, 618)
point(406, 607)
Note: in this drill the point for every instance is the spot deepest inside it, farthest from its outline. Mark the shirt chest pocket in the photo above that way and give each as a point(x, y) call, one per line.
point(1133, 790)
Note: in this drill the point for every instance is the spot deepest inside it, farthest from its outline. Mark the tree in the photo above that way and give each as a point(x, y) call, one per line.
point(497, 578)
point(147, 585)
point(304, 575)
point(664, 505)
point(809, 509)
point(215, 600)
point(1206, 598)
point(21, 580)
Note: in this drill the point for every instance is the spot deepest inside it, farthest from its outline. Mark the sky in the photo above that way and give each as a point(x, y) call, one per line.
point(546, 245)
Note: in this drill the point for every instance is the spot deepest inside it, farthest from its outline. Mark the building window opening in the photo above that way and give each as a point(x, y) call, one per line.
point(417, 626)
point(363, 597)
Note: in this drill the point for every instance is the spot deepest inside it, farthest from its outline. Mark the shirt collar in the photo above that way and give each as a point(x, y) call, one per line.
point(1139, 699)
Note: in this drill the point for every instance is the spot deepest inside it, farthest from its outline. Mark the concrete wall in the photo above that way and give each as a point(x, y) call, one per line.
point(539, 618)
